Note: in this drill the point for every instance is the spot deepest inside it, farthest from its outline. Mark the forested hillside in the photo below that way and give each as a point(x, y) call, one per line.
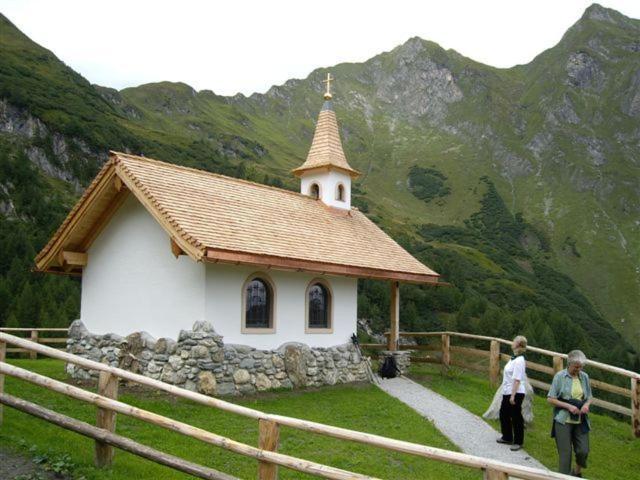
point(521, 186)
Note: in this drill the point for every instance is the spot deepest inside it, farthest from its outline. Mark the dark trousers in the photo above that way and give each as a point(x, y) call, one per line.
point(571, 437)
point(511, 421)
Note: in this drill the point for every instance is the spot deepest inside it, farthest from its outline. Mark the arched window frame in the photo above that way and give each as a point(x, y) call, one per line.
point(272, 326)
point(341, 193)
point(317, 185)
point(329, 290)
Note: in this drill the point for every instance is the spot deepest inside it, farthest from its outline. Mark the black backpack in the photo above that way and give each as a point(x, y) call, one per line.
point(389, 368)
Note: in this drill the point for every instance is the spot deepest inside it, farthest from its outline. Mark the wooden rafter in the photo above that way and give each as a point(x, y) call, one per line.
point(117, 183)
point(175, 249)
point(71, 260)
point(104, 219)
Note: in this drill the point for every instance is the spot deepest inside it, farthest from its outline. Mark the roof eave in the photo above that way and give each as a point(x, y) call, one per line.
point(214, 255)
point(298, 172)
point(48, 253)
point(46, 260)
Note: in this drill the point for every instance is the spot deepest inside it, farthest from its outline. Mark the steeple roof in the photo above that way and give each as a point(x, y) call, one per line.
point(326, 148)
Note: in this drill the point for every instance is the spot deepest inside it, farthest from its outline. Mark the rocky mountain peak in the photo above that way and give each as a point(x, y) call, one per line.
point(602, 14)
point(415, 81)
point(412, 47)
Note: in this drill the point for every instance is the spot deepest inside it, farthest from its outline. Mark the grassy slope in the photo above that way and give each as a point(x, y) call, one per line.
point(603, 223)
point(614, 453)
point(362, 407)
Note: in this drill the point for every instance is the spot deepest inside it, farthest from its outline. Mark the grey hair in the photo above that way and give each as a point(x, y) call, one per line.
point(576, 357)
point(521, 344)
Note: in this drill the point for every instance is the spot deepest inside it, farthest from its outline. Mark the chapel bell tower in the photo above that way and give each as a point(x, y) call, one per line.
point(325, 174)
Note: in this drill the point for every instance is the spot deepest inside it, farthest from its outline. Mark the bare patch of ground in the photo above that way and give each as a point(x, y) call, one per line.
point(15, 466)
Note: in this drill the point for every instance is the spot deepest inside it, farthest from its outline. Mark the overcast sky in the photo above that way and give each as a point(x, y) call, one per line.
point(246, 46)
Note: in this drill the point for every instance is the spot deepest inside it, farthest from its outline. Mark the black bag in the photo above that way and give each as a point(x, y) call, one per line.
point(389, 368)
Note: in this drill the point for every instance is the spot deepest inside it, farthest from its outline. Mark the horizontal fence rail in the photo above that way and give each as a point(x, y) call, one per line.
point(36, 335)
point(446, 354)
point(266, 454)
point(112, 439)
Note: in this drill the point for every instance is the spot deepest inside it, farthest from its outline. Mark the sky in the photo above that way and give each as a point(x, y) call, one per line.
point(249, 45)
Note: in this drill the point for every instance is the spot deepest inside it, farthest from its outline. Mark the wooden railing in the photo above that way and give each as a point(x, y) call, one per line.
point(36, 335)
point(269, 426)
point(446, 354)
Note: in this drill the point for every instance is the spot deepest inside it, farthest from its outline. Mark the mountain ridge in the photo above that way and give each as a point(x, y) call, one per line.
point(555, 137)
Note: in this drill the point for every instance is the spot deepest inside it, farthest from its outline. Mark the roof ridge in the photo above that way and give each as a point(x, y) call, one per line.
point(212, 174)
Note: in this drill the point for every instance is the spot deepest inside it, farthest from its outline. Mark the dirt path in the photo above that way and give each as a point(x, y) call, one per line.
point(14, 465)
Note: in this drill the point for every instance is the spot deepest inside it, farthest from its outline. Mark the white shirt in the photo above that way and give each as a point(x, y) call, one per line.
point(514, 370)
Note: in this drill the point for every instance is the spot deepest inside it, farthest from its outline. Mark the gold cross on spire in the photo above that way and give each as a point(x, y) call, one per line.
point(327, 94)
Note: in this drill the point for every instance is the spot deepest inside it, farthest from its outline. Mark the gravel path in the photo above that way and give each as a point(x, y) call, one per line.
point(469, 432)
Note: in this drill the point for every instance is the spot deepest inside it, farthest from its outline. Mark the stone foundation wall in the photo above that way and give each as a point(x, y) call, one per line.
point(200, 361)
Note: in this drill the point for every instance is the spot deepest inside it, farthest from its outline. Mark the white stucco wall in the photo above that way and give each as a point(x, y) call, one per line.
point(223, 307)
point(132, 282)
point(328, 182)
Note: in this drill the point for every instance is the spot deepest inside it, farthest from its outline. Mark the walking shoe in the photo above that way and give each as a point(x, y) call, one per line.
point(576, 474)
point(515, 447)
point(502, 440)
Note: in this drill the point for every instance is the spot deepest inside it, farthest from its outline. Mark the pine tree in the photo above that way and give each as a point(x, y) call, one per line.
point(27, 307)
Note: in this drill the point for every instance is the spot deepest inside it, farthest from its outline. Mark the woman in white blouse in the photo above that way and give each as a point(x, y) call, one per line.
point(513, 391)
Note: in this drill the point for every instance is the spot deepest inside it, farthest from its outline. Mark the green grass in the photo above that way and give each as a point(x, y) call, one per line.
point(614, 453)
point(359, 407)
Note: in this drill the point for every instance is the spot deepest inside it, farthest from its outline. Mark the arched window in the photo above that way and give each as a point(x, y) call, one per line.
point(258, 303)
point(340, 193)
point(318, 306)
point(314, 191)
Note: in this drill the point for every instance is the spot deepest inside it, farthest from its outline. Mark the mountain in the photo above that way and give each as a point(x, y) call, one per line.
point(521, 185)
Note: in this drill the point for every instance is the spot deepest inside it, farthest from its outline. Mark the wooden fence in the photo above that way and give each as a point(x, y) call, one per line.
point(38, 335)
point(266, 454)
point(446, 354)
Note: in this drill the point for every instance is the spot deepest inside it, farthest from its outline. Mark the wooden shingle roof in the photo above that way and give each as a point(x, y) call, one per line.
point(215, 218)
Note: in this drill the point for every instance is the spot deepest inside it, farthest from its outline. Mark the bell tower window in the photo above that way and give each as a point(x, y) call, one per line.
point(314, 191)
point(340, 193)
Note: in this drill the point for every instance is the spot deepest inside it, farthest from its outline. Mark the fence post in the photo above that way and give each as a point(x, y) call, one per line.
point(106, 419)
point(446, 350)
point(558, 364)
point(490, 474)
point(34, 338)
point(3, 356)
point(494, 362)
point(635, 407)
point(268, 438)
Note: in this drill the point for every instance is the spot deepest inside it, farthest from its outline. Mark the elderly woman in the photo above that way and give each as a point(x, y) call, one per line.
point(513, 392)
point(570, 394)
